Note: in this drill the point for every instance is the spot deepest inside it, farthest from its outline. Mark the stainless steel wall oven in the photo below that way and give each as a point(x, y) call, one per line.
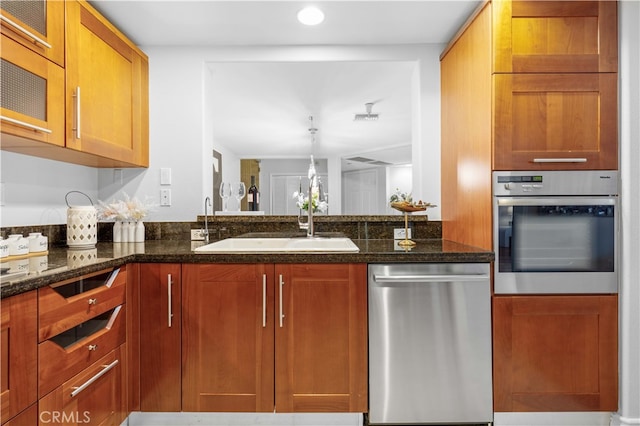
point(556, 232)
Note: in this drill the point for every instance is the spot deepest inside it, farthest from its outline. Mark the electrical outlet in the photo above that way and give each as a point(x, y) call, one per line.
point(399, 233)
point(165, 197)
point(197, 234)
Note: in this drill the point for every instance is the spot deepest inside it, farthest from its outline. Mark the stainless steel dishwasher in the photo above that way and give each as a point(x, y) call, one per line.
point(430, 343)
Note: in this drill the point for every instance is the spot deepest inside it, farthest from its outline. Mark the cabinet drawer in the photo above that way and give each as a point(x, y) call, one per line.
point(95, 396)
point(69, 303)
point(70, 352)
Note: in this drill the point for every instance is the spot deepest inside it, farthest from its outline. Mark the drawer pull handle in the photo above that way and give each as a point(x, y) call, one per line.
point(78, 389)
point(92, 347)
point(24, 31)
point(559, 160)
point(169, 301)
point(93, 301)
point(264, 300)
point(280, 297)
point(27, 125)
point(76, 127)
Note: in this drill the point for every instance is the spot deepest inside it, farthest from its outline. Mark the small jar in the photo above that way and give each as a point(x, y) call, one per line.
point(18, 245)
point(38, 243)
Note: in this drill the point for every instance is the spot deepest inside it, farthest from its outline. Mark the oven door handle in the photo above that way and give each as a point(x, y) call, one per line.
point(557, 201)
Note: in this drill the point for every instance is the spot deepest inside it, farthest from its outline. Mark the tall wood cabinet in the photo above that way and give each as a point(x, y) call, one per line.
point(532, 85)
point(263, 336)
point(18, 344)
point(525, 85)
point(78, 88)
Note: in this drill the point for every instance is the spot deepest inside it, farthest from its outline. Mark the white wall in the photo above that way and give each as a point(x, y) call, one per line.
point(181, 137)
point(34, 189)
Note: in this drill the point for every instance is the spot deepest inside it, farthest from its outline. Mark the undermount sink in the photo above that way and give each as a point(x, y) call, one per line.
point(279, 245)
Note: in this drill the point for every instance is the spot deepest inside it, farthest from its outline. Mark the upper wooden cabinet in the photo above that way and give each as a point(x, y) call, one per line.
point(38, 25)
point(555, 36)
point(32, 97)
point(19, 350)
point(87, 105)
point(106, 89)
point(562, 121)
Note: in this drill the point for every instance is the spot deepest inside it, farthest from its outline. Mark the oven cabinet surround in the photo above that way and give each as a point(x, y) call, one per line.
point(94, 97)
point(82, 349)
point(289, 337)
point(18, 344)
point(555, 353)
point(529, 80)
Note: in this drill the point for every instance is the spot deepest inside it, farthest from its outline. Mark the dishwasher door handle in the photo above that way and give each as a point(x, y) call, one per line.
point(429, 278)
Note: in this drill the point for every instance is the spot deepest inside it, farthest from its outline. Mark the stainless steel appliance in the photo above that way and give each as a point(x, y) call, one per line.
point(430, 344)
point(556, 232)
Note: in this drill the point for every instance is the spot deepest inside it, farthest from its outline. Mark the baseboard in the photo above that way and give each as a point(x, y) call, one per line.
point(243, 419)
point(553, 419)
point(618, 420)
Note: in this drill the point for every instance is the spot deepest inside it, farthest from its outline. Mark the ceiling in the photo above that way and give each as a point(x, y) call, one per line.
point(262, 109)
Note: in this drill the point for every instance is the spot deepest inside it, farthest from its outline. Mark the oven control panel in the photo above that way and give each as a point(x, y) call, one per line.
point(551, 183)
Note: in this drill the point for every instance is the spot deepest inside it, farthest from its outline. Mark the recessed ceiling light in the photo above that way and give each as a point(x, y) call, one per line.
point(310, 16)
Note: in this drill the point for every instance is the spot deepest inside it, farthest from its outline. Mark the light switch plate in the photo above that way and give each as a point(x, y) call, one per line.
point(165, 176)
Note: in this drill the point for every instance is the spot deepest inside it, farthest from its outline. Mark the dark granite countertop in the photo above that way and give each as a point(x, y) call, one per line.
point(61, 263)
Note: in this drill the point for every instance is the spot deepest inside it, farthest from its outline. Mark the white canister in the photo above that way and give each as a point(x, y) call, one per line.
point(38, 243)
point(18, 245)
point(4, 248)
point(82, 224)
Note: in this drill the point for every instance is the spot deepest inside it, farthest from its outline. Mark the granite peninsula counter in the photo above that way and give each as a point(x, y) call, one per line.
point(63, 263)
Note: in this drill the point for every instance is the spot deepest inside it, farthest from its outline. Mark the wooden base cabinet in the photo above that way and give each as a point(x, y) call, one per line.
point(298, 329)
point(96, 396)
point(227, 338)
point(321, 338)
point(160, 337)
point(555, 353)
point(18, 346)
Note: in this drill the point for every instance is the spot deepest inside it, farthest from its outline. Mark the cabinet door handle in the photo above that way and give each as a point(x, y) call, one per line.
point(93, 301)
point(77, 115)
point(281, 308)
point(559, 160)
point(92, 348)
point(169, 298)
point(264, 300)
point(24, 124)
point(24, 31)
point(78, 389)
